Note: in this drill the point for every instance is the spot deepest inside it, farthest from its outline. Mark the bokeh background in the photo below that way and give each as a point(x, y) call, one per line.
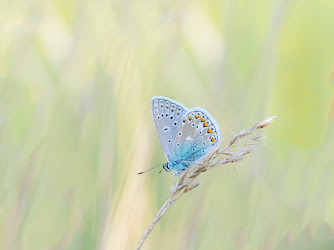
point(76, 82)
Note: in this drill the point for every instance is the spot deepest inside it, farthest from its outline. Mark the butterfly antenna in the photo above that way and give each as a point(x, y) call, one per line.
point(150, 169)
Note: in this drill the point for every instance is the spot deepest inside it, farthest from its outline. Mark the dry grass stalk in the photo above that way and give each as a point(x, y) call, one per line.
point(187, 181)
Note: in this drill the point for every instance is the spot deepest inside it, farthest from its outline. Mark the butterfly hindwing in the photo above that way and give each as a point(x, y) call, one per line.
point(167, 115)
point(198, 136)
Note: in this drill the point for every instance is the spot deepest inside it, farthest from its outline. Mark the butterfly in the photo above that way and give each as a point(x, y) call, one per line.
point(187, 136)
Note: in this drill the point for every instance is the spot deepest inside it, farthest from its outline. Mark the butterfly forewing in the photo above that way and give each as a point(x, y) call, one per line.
point(167, 115)
point(198, 136)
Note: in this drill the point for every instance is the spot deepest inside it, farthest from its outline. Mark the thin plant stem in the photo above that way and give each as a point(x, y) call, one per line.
point(188, 180)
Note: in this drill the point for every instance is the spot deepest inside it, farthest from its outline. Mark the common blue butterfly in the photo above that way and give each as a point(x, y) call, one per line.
point(187, 136)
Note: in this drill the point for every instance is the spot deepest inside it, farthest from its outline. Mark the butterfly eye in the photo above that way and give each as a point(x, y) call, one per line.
point(158, 117)
point(166, 114)
point(166, 166)
point(180, 133)
point(169, 141)
point(162, 115)
point(175, 123)
point(171, 117)
point(177, 144)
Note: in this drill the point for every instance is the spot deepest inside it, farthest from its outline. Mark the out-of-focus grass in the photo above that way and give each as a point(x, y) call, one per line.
point(76, 79)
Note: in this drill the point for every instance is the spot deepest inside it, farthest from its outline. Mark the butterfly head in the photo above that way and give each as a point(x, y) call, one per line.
point(166, 166)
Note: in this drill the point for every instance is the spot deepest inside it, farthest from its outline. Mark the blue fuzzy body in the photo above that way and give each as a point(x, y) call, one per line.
point(184, 156)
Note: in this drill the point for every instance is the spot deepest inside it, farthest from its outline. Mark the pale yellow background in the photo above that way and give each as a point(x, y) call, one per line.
point(76, 82)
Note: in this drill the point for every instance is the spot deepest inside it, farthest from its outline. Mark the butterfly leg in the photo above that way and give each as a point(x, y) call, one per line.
point(175, 183)
point(176, 174)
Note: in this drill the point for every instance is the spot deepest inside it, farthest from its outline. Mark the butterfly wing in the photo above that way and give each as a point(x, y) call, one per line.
point(197, 137)
point(167, 115)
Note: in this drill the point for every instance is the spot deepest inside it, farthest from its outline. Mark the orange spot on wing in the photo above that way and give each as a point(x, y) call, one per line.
point(213, 140)
point(202, 119)
point(210, 130)
point(190, 117)
point(197, 116)
point(205, 124)
point(184, 119)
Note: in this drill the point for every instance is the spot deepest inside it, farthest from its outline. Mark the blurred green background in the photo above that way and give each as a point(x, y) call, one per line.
point(76, 82)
